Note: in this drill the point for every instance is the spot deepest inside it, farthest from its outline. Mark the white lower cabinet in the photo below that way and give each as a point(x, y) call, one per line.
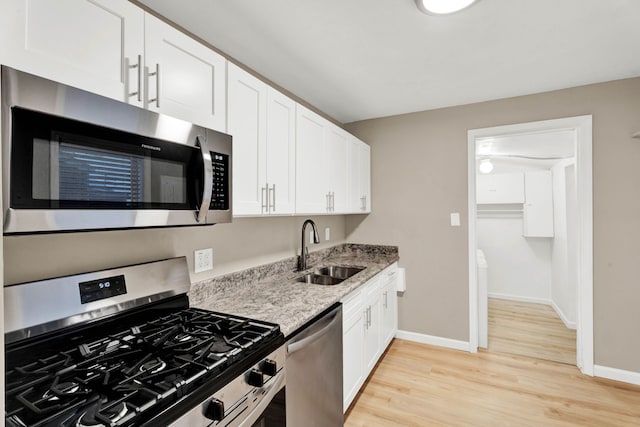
point(369, 325)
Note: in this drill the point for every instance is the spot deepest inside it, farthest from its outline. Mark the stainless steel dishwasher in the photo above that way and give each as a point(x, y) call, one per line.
point(314, 372)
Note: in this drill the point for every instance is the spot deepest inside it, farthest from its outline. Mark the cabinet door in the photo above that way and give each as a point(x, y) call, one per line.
point(352, 348)
point(281, 153)
point(311, 192)
point(82, 43)
point(359, 179)
point(365, 176)
point(336, 162)
point(373, 323)
point(538, 207)
point(500, 188)
point(247, 109)
point(190, 79)
point(389, 308)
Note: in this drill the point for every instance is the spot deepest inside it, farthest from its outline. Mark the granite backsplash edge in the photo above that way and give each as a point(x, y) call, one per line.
point(284, 269)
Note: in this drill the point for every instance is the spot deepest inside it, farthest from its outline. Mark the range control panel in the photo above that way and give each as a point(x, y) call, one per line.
point(220, 191)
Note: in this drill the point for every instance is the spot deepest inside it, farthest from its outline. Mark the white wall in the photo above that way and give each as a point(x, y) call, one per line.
point(518, 268)
point(563, 250)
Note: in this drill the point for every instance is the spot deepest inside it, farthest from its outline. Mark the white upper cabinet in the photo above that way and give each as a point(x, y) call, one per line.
point(322, 165)
point(359, 178)
point(246, 109)
point(115, 49)
point(281, 153)
point(262, 123)
point(336, 163)
point(538, 206)
point(183, 78)
point(500, 188)
point(311, 189)
point(95, 45)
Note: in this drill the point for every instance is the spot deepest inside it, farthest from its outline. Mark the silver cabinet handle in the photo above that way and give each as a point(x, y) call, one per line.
point(272, 198)
point(386, 300)
point(201, 215)
point(333, 201)
point(366, 318)
point(328, 203)
point(264, 203)
point(157, 76)
point(128, 67)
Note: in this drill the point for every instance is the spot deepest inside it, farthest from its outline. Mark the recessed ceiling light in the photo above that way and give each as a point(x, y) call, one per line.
point(443, 7)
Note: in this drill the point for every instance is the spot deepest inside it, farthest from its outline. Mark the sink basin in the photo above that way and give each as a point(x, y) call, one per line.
point(331, 275)
point(340, 272)
point(319, 279)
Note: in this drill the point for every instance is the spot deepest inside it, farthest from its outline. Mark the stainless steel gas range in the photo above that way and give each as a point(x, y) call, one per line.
point(122, 347)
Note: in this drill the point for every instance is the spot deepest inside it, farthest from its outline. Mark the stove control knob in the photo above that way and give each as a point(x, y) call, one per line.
point(269, 367)
point(214, 410)
point(255, 378)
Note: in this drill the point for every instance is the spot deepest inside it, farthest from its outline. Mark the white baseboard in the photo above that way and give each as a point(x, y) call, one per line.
point(433, 340)
point(520, 299)
point(569, 324)
point(617, 374)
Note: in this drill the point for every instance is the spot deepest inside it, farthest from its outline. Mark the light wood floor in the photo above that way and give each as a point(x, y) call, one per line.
point(533, 330)
point(421, 385)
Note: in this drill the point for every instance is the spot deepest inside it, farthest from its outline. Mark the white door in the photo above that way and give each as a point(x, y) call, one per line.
point(247, 107)
point(184, 78)
point(352, 350)
point(365, 177)
point(538, 206)
point(311, 192)
point(281, 153)
point(82, 43)
point(337, 162)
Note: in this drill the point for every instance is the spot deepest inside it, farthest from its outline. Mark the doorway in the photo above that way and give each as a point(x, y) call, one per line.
point(538, 233)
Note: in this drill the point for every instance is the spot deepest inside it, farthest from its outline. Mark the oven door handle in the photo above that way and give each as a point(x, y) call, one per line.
point(254, 415)
point(201, 213)
point(299, 345)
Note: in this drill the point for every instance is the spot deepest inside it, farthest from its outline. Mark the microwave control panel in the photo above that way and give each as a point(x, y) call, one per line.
point(220, 191)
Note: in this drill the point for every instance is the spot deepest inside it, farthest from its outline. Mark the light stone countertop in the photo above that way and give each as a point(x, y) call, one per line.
point(270, 292)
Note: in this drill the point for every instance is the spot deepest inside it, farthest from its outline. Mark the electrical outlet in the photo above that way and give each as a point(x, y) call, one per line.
point(327, 234)
point(310, 236)
point(203, 260)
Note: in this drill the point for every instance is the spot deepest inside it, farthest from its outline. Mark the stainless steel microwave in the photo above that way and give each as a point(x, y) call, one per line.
point(74, 160)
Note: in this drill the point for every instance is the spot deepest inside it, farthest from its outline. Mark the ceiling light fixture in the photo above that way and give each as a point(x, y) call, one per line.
point(443, 7)
point(485, 166)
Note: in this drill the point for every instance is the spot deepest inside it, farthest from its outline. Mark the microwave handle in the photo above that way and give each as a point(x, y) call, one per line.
point(201, 213)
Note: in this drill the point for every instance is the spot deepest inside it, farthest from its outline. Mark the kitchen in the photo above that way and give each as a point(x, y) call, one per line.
point(429, 309)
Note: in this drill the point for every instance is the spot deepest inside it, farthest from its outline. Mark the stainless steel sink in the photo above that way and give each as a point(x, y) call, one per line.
point(330, 275)
point(319, 279)
point(339, 271)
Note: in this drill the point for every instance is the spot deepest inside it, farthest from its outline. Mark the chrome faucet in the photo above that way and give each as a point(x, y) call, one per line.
point(302, 261)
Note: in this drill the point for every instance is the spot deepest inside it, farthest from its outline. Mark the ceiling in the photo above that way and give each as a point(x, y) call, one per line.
point(359, 59)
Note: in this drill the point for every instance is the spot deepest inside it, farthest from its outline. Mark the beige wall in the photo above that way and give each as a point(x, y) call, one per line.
point(419, 176)
point(246, 242)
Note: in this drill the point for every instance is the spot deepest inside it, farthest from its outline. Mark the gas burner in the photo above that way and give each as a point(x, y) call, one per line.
point(153, 366)
point(221, 348)
point(114, 414)
point(61, 389)
point(182, 337)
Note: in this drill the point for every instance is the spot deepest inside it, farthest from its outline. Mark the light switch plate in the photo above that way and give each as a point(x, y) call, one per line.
point(203, 260)
point(327, 234)
point(455, 219)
